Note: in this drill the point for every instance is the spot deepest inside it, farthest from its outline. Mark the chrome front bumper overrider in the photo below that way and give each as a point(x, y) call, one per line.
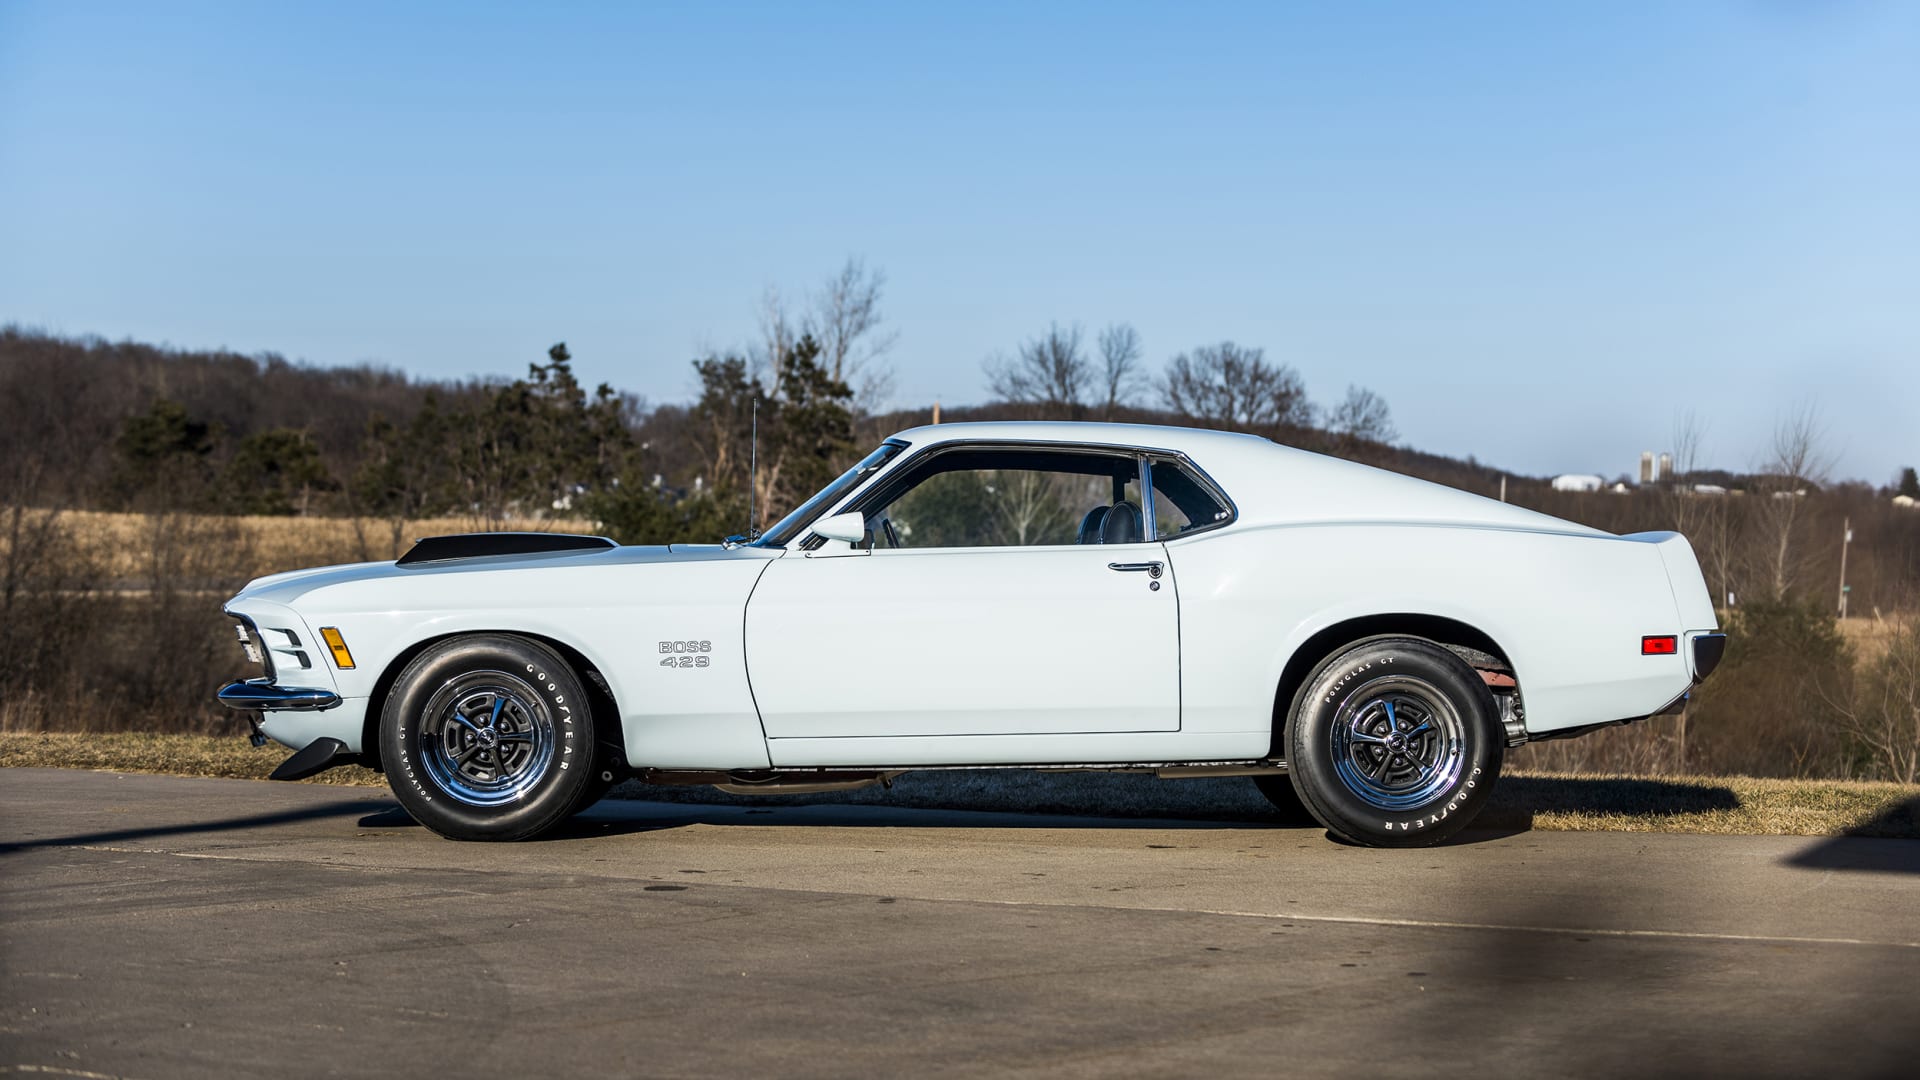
point(266, 697)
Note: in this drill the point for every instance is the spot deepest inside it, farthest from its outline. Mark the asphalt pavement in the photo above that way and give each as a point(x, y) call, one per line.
point(156, 927)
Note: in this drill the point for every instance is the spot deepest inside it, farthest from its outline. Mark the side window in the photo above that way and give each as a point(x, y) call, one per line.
point(1182, 502)
point(1011, 498)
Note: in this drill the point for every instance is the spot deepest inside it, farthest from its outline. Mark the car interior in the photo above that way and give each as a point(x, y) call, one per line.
point(1024, 497)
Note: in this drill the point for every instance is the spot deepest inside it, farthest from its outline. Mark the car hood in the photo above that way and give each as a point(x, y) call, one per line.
point(284, 588)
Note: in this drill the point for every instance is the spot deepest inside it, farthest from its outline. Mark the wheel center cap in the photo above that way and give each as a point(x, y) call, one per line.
point(1397, 741)
point(488, 737)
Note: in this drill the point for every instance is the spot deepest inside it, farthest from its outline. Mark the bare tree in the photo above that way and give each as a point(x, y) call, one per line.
point(1797, 463)
point(1883, 713)
point(780, 330)
point(1050, 372)
point(1231, 386)
point(1120, 354)
point(1702, 520)
point(1363, 416)
point(844, 319)
point(1026, 507)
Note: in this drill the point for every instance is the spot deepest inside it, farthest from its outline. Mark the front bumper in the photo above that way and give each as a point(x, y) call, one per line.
point(262, 696)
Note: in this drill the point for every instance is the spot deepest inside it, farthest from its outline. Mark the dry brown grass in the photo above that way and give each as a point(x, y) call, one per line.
point(1721, 805)
point(1728, 805)
point(120, 542)
point(1870, 635)
point(172, 755)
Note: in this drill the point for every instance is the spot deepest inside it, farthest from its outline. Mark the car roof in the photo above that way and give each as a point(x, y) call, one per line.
point(1145, 436)
point(1269, 483)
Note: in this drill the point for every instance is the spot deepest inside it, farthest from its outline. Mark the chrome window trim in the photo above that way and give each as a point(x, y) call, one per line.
point(857, 499)
point(1151, 526)
point(806, 539)
point(1213, 488)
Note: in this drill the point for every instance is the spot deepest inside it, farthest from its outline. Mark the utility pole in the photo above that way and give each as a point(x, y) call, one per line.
point(1503, 487)
point(1846, 538)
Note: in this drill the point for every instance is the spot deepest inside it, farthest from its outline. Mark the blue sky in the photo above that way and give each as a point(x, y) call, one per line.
point(1539, 230)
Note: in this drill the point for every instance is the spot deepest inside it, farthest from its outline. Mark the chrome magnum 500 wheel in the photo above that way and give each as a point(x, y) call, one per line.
point(488, 737)
point(1394, 743)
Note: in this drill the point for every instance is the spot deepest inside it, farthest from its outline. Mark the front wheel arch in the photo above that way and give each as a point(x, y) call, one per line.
point(611, 731)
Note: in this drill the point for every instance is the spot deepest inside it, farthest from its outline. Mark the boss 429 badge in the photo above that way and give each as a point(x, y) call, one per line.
point(685, 654)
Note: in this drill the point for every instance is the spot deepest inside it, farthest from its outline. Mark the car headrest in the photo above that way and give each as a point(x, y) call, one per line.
point(1122, 525)
point(1091, 525)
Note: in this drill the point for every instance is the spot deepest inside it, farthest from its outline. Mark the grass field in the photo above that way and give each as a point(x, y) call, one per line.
point(1721, 804)
point(119, 544)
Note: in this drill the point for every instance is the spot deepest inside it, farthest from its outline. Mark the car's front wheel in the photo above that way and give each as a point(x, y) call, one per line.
point(488, 737)
point(1394, 743)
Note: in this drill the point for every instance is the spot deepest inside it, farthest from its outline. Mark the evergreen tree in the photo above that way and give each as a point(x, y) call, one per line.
point(163, 459)
point(276, 471)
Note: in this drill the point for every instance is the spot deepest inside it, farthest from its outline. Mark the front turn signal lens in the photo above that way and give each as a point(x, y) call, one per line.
point(342, 659)
point(1663, 645)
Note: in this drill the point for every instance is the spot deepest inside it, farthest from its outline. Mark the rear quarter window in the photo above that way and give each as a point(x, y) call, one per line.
point(1183, 502)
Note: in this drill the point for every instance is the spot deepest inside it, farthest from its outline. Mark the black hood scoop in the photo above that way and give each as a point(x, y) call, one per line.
point(438, 549)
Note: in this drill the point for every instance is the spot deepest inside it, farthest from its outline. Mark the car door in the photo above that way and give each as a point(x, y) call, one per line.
point(1066, 632)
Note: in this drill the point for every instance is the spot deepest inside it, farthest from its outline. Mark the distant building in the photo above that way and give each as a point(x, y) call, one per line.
point(1709, 489)
point(1906, 502)
point(1578, 482)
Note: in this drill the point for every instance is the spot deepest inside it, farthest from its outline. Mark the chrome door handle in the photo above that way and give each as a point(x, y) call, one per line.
point(1153, 569)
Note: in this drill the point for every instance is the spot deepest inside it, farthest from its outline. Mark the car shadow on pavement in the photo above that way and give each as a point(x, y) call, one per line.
point(616, 817)
point(624, 817)
point(1522, 797)
point(234, 824)
point(1863, 847)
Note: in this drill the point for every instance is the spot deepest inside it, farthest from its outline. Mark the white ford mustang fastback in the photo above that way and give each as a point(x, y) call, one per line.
point(1048, 595)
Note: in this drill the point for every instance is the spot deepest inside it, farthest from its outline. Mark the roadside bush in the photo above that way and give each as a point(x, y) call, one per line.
point(48, 589)
point(80, 652)
point(1769, 710)
point(1882, 716)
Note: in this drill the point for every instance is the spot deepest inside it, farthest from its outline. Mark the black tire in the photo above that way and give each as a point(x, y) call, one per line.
point(488, 737)
point(1394, 743)
point(605, 775)
point(1287, 807)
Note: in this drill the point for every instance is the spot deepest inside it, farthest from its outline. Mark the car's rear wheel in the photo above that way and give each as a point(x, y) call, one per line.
point(488, 737)
point(1394, 743)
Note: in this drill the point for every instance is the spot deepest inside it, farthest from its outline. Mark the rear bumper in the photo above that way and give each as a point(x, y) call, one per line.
point(1708, 649)
point(265, 697)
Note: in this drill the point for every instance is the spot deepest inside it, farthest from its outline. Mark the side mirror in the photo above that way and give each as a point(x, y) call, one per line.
point(851, 528)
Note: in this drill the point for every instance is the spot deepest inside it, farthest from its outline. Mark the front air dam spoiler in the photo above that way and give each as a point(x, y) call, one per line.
point(317, 757)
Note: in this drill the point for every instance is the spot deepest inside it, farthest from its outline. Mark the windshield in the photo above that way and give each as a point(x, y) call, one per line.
point(791, 526)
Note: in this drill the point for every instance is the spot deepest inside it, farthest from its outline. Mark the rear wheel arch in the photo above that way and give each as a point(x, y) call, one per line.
point(1394, 742)
point(1458, 637)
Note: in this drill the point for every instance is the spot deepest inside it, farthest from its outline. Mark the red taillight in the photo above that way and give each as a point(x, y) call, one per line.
point(1659, 645)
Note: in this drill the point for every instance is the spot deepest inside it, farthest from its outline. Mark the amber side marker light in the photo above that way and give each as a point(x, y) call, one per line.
point(343, 659)
point(1662, 645)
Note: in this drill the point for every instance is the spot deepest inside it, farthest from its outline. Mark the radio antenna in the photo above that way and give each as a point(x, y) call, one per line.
point(753, 471)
